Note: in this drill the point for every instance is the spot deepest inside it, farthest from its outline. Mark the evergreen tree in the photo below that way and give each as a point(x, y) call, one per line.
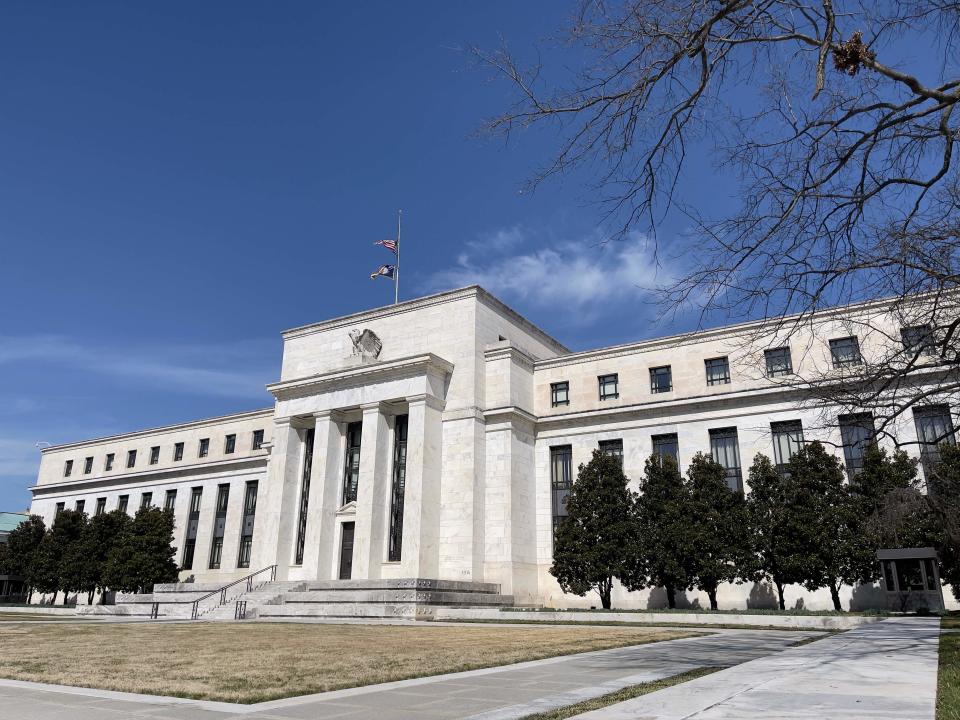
point(144, 557)
point(718, 528)
point(943, 487)
point(826, 539)
point(591, 543)
point(75, 567)
point(22, 545)
point(663, 524)
point(46, 566)
point(104, 533)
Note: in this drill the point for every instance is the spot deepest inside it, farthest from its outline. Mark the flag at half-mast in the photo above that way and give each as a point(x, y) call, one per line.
point(383, 270)
point(388, 244)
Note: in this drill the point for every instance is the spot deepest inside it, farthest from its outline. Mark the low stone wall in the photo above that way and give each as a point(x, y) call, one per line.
point(804, 622)
point(39, 610)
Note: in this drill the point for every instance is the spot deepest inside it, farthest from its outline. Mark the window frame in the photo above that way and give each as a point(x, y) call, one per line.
point(108, 462)
point(131, 458)
point(88, 465)
point(612, 447)
point(604, 381)
point(722, 362)
point(555, 389)
point(923, 342)
point(203, 449)
point(655, 374)
point(256, 443)
point(68, 468)
point(782, 429)
point(660, 440)
point(230, 444)
point(178, 449)
point(853, 451)
point(154, 454)
point(837, 343)
point(733, 472)
point(561, 457)
point(771, 353)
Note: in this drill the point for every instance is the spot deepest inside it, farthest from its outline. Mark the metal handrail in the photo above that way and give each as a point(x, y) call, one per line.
point(222, 592)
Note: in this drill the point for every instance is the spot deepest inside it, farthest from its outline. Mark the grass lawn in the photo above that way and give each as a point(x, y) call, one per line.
point(948, 689)
point(252, 662)
point(951, 621)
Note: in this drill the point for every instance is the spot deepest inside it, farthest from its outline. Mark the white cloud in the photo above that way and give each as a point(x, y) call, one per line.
point(580, 275)
point(229, 370)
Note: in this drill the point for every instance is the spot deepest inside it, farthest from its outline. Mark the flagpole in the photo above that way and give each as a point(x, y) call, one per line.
point(396, 272)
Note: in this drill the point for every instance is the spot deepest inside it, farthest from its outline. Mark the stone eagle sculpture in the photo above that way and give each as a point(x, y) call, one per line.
point(366, 344)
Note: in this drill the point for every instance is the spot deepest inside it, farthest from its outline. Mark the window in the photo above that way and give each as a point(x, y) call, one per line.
point(131, 458)
point(351, 466)
point(856, 433)
point(726, 451)
point(246, 529)
point(108, 462)
point(718, 371)
point(561, 480)
point(170, 500)
point(661, 379)
point(787, 440)
point(779, 361)
point(145, 500)
point(219, 525)
point(101, 506)
point(609, 386)
point(223, 498)
point(559, 394)
point(229, 444)
point(87, 465)
point(188, 548)
point(666, 445)
point(204, 447)
point(304, 495)
point(177, 451)
point(918, 339)
point(845, 351)
point(196, 494)
point(58, 509)
point(193, 521)
point(68, 468)
point(154, 454)
point(613, 448)
point(257, 440)
point(122, 503)
point(399, 485)
point(216, 553)
point(79, 505)
point(934, 428)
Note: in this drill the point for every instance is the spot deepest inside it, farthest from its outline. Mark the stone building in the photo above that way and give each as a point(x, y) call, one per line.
point(437, 439)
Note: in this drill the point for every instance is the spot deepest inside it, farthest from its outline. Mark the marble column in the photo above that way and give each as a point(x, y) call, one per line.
point(421, 507)
point(369, 550)
point(324, 488)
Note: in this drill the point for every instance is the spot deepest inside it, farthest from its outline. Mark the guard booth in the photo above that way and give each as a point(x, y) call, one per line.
point(911, 580)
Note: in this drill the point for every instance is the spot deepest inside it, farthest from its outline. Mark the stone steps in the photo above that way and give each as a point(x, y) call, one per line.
point(397, 596)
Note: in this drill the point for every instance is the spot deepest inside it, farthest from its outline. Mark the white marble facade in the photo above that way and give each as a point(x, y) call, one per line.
point(473, 380)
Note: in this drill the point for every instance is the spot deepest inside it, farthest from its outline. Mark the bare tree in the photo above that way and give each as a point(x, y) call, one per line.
point(843, 150)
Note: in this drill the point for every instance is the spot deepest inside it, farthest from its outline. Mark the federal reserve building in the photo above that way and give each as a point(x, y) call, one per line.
point(423, 452)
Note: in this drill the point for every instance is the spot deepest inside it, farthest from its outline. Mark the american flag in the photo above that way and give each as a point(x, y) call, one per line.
point(388, 244)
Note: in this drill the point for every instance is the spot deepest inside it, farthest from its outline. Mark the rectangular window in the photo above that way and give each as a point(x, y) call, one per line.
point(856, 433)
point(223, 498)
point(101, 506)
point(146, 499)
point(718, 371)
point(304, 495)
point(170, 500)
point(779, 361)
point(246, 529)
point(68, 468)
point(561, 480)
point(918, 340)
point(661, 379)
point(257, 440)
point(845, 351)
point(87, 465)
point(667, 445)
point(108, 462)
point(122, 503)
point(351, 465)
point(725, 449)
point(219, 525)
point(196, 494)
point(177, 452)
point(787, 441)
point(609, 386)
point(229, 444)
point(613, 448)
point(188, 549)
point(58, 509)
point(79, 505)
point(193, 522)
point(154, 454)
point(934, 428)
point(559, 394)
point(131, 458)
point(204, 449)
point(399, 485)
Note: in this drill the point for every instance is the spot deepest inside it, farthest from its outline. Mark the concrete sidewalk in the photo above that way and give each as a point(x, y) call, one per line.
point(884, 670)
point(502, 693)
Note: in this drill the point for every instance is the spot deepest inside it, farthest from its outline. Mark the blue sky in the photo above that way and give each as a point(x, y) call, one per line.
point(179, 182)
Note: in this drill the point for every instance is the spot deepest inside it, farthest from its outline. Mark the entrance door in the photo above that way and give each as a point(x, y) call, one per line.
point(346, 550)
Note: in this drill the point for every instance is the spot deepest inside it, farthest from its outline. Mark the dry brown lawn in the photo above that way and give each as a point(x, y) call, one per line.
point(253, 662)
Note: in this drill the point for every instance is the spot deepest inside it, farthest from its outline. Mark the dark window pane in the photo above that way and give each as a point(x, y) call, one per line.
point(787, 440)
point(561, 480)
point(934, 428)
point(131, 458)
point(351, 467)
point(230, 444)
point(155, 455)
point(101, 506)
point(609, 386)
point(145, 500)
point(305, 476)
point(108, 463)
point(779, 361)
point(399, 485)
point(613, 448)
point(726, 450)
point(718, 371)
point(559, 393)
point(667, 445)
point(122, 502)
point(845, 351)
point(257, 439)
point(918, 339)
point(87, 465)
point(68, 468)
point(856, 432)
point(204, 447)
point(171, 500)
point(661, 379)
point(178, 451)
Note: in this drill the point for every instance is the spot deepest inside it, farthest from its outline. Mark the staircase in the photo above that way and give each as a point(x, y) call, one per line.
point(271, 593)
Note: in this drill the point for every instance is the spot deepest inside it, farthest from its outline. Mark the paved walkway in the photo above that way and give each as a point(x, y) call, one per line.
point(882, 670)
point(513, 691)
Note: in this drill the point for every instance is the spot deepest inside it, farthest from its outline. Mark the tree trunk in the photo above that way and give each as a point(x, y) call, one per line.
point(90, 597)
point(55, 593)
point(835, 595)
point(671, 597)
point(712, 594)
point(780, 594)
point(605, 588)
